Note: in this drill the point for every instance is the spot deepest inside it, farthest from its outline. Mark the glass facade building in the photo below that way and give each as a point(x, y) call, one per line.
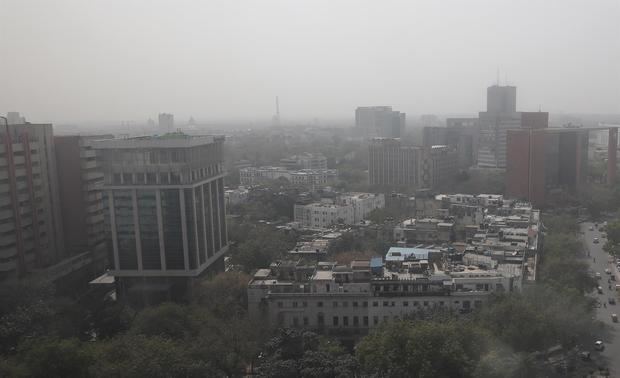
point(165, 204)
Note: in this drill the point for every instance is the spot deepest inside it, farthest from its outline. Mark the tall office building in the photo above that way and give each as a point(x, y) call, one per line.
point(30, 223)
point(392, 165)
point(501, 116)
point(460, 134)
point(379, 121)
point(545, 160)
point(165, 201)
point(166, 122)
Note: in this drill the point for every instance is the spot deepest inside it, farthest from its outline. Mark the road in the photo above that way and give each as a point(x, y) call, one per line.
point(611, 333)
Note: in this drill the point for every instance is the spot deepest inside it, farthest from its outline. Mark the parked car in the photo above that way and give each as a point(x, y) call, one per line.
point(600, 290)
point(614, 318)
point(598, 276)
point(611, 300)
point(598, 345)
point(608, 271)
point(585, 355)
point(595, 241)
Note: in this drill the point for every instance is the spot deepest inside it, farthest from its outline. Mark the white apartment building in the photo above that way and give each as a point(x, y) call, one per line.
point(350, 208)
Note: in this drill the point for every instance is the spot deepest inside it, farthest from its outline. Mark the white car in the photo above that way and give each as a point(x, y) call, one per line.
point(598, 345)
point(595, 241)
point(608, 271)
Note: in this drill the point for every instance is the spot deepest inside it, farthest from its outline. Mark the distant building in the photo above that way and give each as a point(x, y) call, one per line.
point(236, 196)
point(164, 196)
point(380, 121)
point(166, 122)
point(308, 178)
point(501, 116)
point(350, 208)
point(30, 218)
point(392, 165)
point(305, 161)
point(543, 161)
point(13, 118)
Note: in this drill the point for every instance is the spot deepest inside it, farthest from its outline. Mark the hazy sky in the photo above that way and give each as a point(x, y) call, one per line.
point(78, 60)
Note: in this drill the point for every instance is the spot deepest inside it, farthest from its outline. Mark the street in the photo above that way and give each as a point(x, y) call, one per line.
point(609, 335)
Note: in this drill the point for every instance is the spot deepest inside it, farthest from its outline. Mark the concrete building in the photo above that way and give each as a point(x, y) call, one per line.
point(306, 160)
point(501, 116)
point(392, 165)
point(30, 218)
point(80, 182)
point(542, 162)
point(166, 122)
point(308, 178)
point(347, 301)
point(380, 121)
point(165, 201)
point(236, 196)
point(349, 208)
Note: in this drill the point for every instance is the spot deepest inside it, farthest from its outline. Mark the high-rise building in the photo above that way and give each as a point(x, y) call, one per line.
point(392, 165)
point(166, 122)
point(30, 220)
point(545, 160)
point(460, 134)
point(13, 118)
point(379, 121)
point(165, 202)
point(80, 182)
point(501, 116)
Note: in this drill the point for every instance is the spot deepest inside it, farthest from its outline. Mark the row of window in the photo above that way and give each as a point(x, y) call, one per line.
point(165, 178)
point(336, 304)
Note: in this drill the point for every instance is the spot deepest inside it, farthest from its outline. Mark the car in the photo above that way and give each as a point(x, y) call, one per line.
point(608, 271)
point(611, 300)
point(595, 241)
point(591, 228)
point(585, 355)
point(598, 345)
point(600, 290)
point(614, 318)
point(598, 276)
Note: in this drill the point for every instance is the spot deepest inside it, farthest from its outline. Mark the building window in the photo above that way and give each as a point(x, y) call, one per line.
point(386, 318)
point(354, 304)
point(280, 305)
point(415, 304)
point(345, 304)
point(425, 303)
point(356, 321)
point(386, 303)
point(375, 320)
point(375, 304)
point(319, 304)
point(334, 304)
point(116, 178)
point(164, 178)
point(304, 304)
point(393, 304)
point(335, 321)
point(365, 304)
point(175, 178)
point(306, 320)
point(151, 178)
point(345, 321)
point(405, 303)
point(365, 319)
point(294, 304)
point(295, 322)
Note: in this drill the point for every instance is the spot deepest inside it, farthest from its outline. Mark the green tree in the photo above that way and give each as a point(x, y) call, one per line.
point(422, 349)
point(225, 294)
point(53, 357)
point(298, 353)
